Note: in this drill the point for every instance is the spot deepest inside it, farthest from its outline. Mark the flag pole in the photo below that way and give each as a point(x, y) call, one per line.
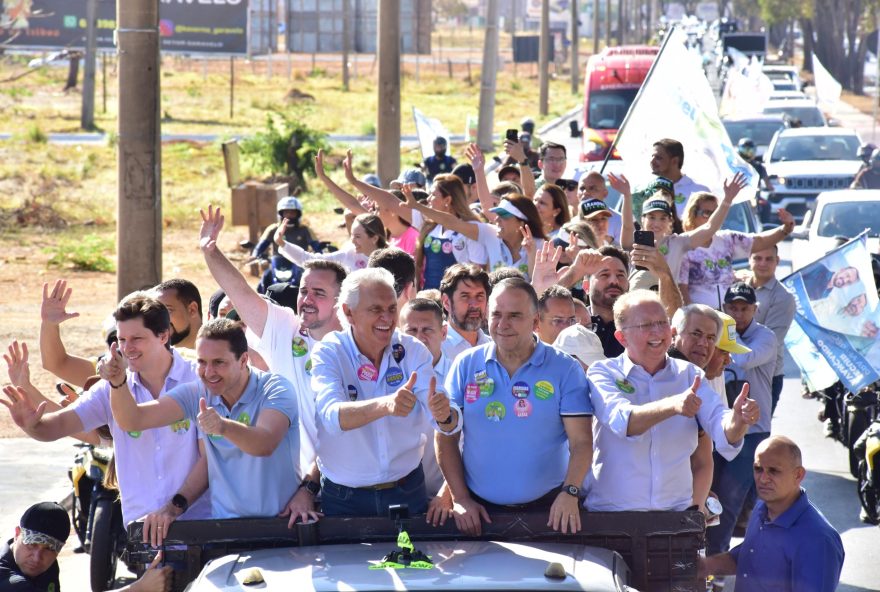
point(636, 100)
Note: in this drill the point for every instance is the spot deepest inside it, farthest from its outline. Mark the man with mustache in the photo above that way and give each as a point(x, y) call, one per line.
point(184, 303)
point(464, 292)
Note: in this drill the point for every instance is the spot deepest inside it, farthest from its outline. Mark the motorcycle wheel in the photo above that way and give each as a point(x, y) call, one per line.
point(868, 497)
point(857, 423)
point(104, 555)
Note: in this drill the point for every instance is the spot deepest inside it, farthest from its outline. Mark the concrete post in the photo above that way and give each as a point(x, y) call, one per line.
point(388, 125)
point(544, 59)
point(488, 77)
point(575, 48)
point(87, 116)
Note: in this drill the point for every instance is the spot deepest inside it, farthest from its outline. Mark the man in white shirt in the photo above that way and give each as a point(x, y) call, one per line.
point(376, 392)
point(464, 292)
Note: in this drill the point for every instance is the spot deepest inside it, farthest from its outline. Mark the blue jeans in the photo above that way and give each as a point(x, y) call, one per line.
point(775, 391)
point(733, 482)
point(341, 500)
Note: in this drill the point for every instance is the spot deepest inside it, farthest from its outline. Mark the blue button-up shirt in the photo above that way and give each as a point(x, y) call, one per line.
point(384, 450)
point(757, 367)
point(799, 551)
point(651, 471)
point(515, 448)
point(244, 485)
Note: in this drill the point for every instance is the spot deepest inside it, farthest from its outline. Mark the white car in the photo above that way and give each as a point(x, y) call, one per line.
point(789, 72)
point(804, 110)
point(838, 217)
point(803, 162)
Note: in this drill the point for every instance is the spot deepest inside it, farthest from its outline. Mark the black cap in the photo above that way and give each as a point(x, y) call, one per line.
point(283, 294)
point(465, 172)
point(45, 523)
point(740, 291)
point(589, 207)
point(657, 205)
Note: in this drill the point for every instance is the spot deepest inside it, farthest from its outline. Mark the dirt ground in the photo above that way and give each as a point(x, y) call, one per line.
point(22, 274)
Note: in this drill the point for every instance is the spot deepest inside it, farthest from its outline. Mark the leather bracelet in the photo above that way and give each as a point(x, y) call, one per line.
point(448, 420)
point(117, 386)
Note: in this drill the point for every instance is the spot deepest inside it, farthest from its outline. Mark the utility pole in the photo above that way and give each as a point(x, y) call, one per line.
point(346, 41)
point(87, 116)
point(596, 29)
point(621, 20)
point(488, 76)
point(139, 162)
point(544, 59)
point(575, 43)
point(388, 125)
point(607, 23)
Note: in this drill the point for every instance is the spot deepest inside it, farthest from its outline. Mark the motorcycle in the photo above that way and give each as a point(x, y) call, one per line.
point(868, 449)
point(96, 514)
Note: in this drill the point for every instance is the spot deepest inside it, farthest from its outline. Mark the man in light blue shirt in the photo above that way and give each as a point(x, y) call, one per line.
point(527, 441)
point(248, 423)
point(645, 405)
point(376, 394)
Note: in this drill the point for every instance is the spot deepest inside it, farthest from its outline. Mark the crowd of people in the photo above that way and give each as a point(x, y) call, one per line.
point(474, 349)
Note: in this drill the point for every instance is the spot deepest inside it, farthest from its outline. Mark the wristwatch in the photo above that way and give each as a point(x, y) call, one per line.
point(180, 502)
point(572, 490)
point(312, 487)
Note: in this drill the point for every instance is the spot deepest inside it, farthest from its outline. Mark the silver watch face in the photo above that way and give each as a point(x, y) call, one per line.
point(714, 506)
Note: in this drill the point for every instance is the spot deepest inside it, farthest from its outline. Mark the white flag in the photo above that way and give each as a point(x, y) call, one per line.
point(677, 102)
point(427, 130)
point(827, 88)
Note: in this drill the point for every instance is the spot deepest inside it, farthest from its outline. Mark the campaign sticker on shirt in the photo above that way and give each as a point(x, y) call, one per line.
point(299, 347)
point(368, 372)
point(487, 387)
point(520, 390)
point(522, 408)
point(360, 264)
point(679, 198)
point(352, 393)
point(435, 246)
point(303, 331)
point(625, 386)
point(398, 352)
point(471, 393)
point(447, 247)
point(394, 376)
point(180, 427)
point(243, 418)
point(480, 375)
point(544, 390)
point(664, 250)
point(524, 268)
point(495, 411)
point(134, 435)
point(459, 244)
point(308, 367)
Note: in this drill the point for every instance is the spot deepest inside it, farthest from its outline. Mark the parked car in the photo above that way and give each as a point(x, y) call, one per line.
point(759, 128)
point(838, 216)
point(804, 111)
point(803, 162)
point(790, 73)
point(788, 95)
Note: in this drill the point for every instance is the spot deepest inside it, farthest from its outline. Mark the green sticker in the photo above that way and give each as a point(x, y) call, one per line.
point(544, 390)
point(710, 264)
point(524, 268)
point(134, 434)
point(722, 263)
point(679, 198)
point(625, 386)
point(299, 347)
point(435, 246)
point(244, 418)
point(487, 387)
point(180, 427)
point(664, 250)
point(403, 540)
point(309, 366)
point(495, 411)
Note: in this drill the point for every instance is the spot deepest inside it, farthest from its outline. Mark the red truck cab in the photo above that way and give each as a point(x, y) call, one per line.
point(612, 79)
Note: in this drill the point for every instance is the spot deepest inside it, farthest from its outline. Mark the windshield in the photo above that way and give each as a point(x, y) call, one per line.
point(808, 116)
point(849, 219)
point(609, 107)
point(760, 132)
point(815, 148)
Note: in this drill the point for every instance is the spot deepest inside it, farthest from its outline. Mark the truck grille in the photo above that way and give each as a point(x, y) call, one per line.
point(818, 183)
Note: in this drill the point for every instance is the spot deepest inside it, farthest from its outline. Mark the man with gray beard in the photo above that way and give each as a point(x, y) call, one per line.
point(464, 292)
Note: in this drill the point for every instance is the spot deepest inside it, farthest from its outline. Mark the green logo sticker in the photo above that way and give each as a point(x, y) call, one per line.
point(524, 268)
point(435, 246)
point(180, 427)
point(134, 435)
point(299, 347)
point(625, 386)
point(722, 263)
point(487, 387)
point(679, 198)
point(309, 367)
point(495, 411)
point(544, 390)
point(664, 250)
point(244, 418)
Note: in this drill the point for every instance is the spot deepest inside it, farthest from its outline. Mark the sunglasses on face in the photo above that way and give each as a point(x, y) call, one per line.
point(567, 184)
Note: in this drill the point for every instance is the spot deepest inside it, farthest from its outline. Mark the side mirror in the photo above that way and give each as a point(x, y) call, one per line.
point(799, 234)
point(833, 122)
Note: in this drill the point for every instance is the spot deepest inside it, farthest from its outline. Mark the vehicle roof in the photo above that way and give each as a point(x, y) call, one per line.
point(793, 103)
point(816, 131)
point(847, 195)
point(779, 68)
point(788, 95)
point(757, 117)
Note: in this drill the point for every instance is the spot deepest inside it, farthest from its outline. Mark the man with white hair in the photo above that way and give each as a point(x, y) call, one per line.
point(645, 404)
point(376, 392)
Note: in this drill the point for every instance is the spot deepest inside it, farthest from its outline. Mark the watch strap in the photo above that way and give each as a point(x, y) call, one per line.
point(312, 487)
point(179, 501)
point(572, 490)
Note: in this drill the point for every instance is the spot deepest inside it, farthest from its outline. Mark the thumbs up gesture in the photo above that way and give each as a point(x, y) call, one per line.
point(688, 403)
point(438, 402)
point(209, 420)
point(401, 403)
point(746, 410)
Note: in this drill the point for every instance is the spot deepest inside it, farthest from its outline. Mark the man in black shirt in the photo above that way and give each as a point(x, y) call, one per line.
point(606, 286)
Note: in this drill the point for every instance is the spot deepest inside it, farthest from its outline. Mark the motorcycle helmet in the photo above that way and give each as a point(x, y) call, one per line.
point(528, 125)
point(865, 151)
point(746, 148)
point(289, 203)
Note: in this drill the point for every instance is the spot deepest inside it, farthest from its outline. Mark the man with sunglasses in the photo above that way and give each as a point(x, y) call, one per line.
point(645, 404)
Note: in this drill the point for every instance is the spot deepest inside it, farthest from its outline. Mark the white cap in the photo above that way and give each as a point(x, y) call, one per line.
point(581, 343)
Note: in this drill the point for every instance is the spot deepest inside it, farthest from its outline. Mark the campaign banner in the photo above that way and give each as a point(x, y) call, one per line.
point(837, 310)
point(427, 129)
point(185, 26)
point(676, 101)
point(828, 90)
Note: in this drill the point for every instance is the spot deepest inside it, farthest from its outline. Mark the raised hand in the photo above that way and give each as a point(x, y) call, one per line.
point(280, 232)
point(22, 410)
point(746, 410)
point(53, 309)
point(688, 403)
point(573, 248)
point(733, 186)
point(17, 364)
point(411, 201)
point(212, 223)
point(528, 242)
point(401, 403)
point(588, 261)
point(475, 155)
point(347, 164)
point(545, 274)
point(112, 369)
point(319, 164)
point(209, 420)
point(620, 184)
point(786, 219)
point(515, 150)
point(438, 402)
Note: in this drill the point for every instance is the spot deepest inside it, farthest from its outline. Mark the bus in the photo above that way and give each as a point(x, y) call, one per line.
point(612, 79)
